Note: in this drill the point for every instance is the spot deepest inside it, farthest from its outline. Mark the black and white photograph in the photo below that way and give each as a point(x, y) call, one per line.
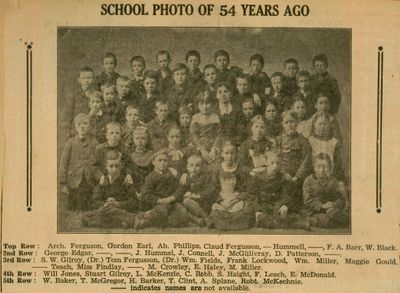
point(204, 130)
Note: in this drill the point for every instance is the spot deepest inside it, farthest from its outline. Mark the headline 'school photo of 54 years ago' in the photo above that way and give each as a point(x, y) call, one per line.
point(204, 130)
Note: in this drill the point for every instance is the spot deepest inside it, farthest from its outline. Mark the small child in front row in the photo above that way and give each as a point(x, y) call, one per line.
point(159, 126)
point(196, 190)
point(141, 155)
point(325, 197)
point(273, 192)
point(233, 209)
point(114, 200)
point(321, 141)
point(158, 198)
point(76, 171)
point(252, 151)
point(205, 129)
point(132, 116)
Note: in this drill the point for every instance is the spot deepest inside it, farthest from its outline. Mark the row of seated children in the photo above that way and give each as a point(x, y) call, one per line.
point(181, 85)
point(85, 163)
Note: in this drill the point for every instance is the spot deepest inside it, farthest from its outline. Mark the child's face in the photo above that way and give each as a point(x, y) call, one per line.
point(95, 104)
point(229, 155)
point(221, 62)
point(162, 111)
point(223, 95)
point(132, 115)
point(248, 109)
point(163, 61)
point(291, 69)
point(150, 85)
point(242, 85)
point(322, 126)
point(137, 68)
point(256, 66)
point(108, 95)
point(114, 167)
point(193, 63)
point(210, 75)
point(289, 125)
point(123, 88)
point(85, 79)
point(109, 64)
point(160, 163)
point(258, 130)
point(82, 127)
point(322, 104)
point(322, 168)
point(204, 108)
point(303, 83)
point(140, 140)
point(113, 135)
point(194, 165)
point(184, 120)
point(320, 67)
point(300, 109)
point(174, 138)
point(276, 84)
point(270, 112)
point(180, 76)
point(273, 165)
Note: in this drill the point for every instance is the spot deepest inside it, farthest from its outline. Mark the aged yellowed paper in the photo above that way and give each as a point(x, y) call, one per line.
point(199, 146)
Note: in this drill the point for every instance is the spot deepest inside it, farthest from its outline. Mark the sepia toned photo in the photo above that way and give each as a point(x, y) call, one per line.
point(204, 130)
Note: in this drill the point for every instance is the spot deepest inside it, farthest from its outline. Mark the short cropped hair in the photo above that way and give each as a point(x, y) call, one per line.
point(112, 155)
point(291, 114)
point(185, 110)
point(163, 52)
point(323, 157)
point(110, 55)
point(192, 53)
point(321, 57)
point(113, 123)
point(209, 66)
point(80, 117)
point(291, 61)
point(85, 69)
point(303, 73)
point(277, 74)
point(179, 66)
point(222, 53)
point(151, 74)
point(138, 59)
point(258, 58)
point(123, 78)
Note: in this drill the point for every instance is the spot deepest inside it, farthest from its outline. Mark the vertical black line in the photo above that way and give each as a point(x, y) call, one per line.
point(377, 132)
point(27, 128)
point(30, 129)
point(380, 132)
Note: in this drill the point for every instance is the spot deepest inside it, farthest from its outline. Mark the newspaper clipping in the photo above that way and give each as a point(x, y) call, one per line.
point(218, 146)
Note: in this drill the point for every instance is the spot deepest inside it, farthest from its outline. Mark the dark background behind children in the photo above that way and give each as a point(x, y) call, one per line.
point(80, 47)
